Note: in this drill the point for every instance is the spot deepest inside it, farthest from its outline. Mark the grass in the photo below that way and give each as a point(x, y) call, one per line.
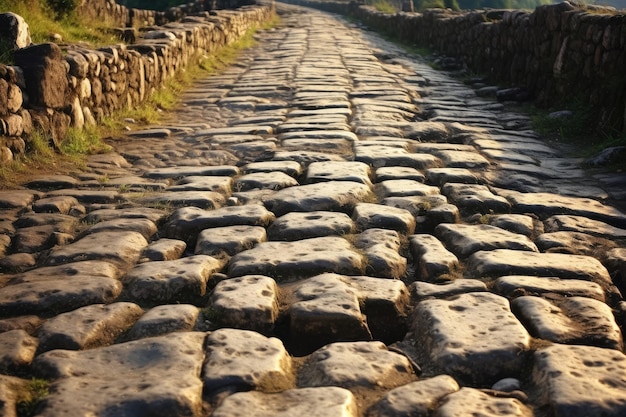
point(384, 6)
point(30, 398)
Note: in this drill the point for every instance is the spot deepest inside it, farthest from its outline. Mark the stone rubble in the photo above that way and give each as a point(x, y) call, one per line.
point(330, 227)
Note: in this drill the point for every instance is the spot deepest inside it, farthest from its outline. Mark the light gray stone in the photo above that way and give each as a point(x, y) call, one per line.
point(264, 180)
point(228, 241)
point(372, 216)
point(468, 402)
point(399, 173)
point(101, 215)
point(583, 225)
point(380, 156)
point(417, 205)
point(431, 257)
point(574, 243)
point(201, 199)
point(518, 285)
point(405, 188)
point(339, 171)
point(464, 239)
point(164, 319)
point(441, 176)
point(472, 198)
point(515, 223)
point(145, 227)
point(422, 290)
point(382, 250)
point(218, 184)
point(297, 226)
point(188, 171)
point(60, 204)
point(89, 196)
point(290, 168)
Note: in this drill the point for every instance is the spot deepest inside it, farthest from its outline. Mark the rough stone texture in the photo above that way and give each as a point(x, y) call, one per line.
point(164, 250)
point(472, 337)
point(519, 285)
point(431, 257)
point(382, 248)
point(583, 225)
point(579, 381)
point(297, 226)
point(464, 240)
point(242, 360)
point(370, 216)
point(161, 373)
point(339, 171)
point(17, 349)
point(421, 290)
point(475, 198)
point(228, 241)
point(468, 402)
point(164, 319)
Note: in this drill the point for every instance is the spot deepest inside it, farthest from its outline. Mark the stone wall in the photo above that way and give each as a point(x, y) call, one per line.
point(559, 53)
point(51, 90)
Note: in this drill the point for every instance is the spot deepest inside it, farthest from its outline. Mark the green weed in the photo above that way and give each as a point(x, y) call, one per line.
point(30, 398)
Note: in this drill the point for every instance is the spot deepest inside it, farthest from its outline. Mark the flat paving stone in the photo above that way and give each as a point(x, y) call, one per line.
point(264, 180)
point(405, 188)
point(462, 159)
point(17, 199)
point(585, 225)
point(415, 399)
point(417, 205)
point(100, 215)
point(122, 248)
point(475, 198)
point(201, 199)
point(46, 289)
point(339, 171)
point(17, 350)
point(188, 171)
point(574, 243)
point(164, 250)
point(60, 204)
point(380, 156)
point(164, 319)
point(249, 302)
point(577, 381)
point(399, 173)
point(464, 239)
point(519, 285)
point(371, 216)
point(179, 280)
point(230, 240)
point(216, 184)
point(242, 360)
point(441, 176)
point(432, 259)
point(88, 327)
point(516, 223)
point(573, 320)
point(382, 250)
point(469, 402)
point(290, 168)
point(421, 290)
point(161, 373)
point(501, 262)
point(297, 226)
point(89, 196)
point(320, 401)
point(473, 337)
point(326, 196)
point(146, 227)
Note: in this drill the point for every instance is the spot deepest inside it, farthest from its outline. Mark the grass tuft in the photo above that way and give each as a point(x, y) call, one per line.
point(30, 398)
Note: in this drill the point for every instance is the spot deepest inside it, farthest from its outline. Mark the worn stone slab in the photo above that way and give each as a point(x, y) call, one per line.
point(417, 205)
point(399, 173)
point(101, 215)
point(296, 226)
point(431, 257)
point(122, 248)
point(201, 199)
point(337, 146)
point(46, 289)
point(464, 239)
point(354, 365)
point(326, 196)
point(501, 262)
point(52, 182)
point(146, 227)
point(382, 250)
point(17, 198)
point(415, 399)
point(230, 240)
point(519, 285)
point(89, 196)
point(290, 168)
point(441, 176)
point(164, 250)
point(264, 180)
point(249, 302)
point(242, 360)
point(161, 373)
point(12, 390)
point(475, 198)
point(179, 280)
point(574, 243)
point(370, 216)
point(59, 204)
point(581, 381)
point(320, 401)
point(574, 320)
point(222, 185)
point(64, 222)
point(164, 319)
point(585, 225)
point(17, 350)
point(380, 156)
point(88, 327)
point(29, 323)
point(546, 204)
point(516, 223)
point(185, 223)
point(462, 159)
point(469, 402)
point(38, 238)
point(405, 188)
point(188, 171)
point(421, 290)
point(305, 156)
point(473, 337)
point(339, 171)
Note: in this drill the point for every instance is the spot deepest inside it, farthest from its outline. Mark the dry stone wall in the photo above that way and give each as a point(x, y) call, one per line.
point(558, 53)
point(53, 90)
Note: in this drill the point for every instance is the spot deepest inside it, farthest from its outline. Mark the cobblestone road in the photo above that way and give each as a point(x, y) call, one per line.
point(329, 228)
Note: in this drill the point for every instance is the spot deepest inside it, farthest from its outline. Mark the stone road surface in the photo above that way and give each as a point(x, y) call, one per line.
point(329, 228)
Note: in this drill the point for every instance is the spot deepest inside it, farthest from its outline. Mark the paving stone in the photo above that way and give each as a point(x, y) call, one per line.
point(88, 327)
point(164, 250)
point(17, 199)
point(264, 180)
point(405, 188)
point(462, 159)
point(422, 290)
point(431, 257)
point(249, 302)
point(473, 337)
point(63, 222)
point(17, 350)
point(52, 182)
point(573, 320)
point(382, 250)
point(201, 199)
point(185, 223)
point(339, 171)
point(122, 248)
point(328, 196)
point(399, 173)
point(179, 280)
point(370, 216)
point(577, 381)
point(380, 156)
point(441, 176)
point(501, 262)
point(417, 205)
point(475, 198)
point(305, 157)
point(242, 360)
point(222, 185)
point(5, 244)
point(415, 399)
point(45, 289)
point(100, 215)
point(18, 262)
point(89, 196)
point(161, 373)
point(321, 402)
point(12, 390)
point(60, 204)
point(296, 226)
point(583, 225)
point(545, 205)
point(328, 146)
point(573, 243)
point(37, 238)
point(228, 241)
point(188, 171)
point(146, 227)
point(469, 402)
point(464, 239)
point(356, 365)
point(29, 323)
point(516, 223)
point(164, 319)
point(290, 168)
point(518, 285)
